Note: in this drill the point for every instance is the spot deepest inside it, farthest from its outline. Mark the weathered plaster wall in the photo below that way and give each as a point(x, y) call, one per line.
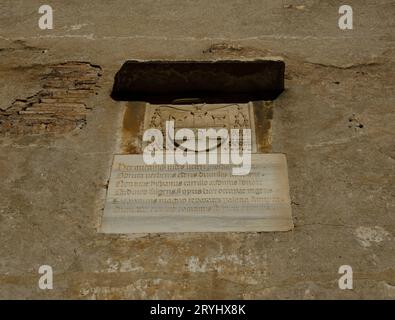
point(341, 173)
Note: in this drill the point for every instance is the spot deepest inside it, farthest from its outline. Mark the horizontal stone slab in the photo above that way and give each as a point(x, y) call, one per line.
point(207, 81)
point(197, 198)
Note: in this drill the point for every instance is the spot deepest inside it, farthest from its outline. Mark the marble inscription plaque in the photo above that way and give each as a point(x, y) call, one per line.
point(197, 198)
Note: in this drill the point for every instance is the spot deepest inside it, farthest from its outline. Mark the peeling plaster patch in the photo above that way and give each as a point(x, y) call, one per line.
point(162, 262)
point(194, 265)
point(367, 235)
point(77, 26)
point(228, 49)
point(228, 264)
point(128, 292)
point(153, 289)
point(59, 107)
point(213, 263)
point(125, 265)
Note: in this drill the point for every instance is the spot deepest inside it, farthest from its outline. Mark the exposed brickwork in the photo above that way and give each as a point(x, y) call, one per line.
point(59, 107)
